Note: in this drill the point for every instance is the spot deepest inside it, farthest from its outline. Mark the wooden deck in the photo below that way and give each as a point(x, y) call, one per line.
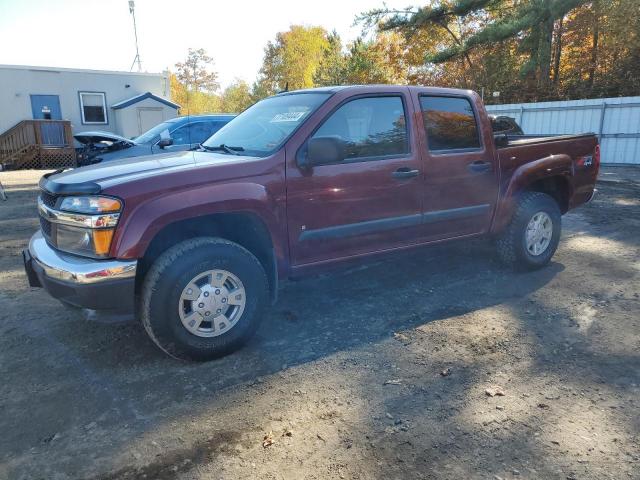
point(38, 144)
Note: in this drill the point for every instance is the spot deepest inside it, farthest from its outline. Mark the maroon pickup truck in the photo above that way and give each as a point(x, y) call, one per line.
point(197, 242)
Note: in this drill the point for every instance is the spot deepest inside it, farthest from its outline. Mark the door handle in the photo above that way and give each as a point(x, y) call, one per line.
point(479, 166)
point(405, 172)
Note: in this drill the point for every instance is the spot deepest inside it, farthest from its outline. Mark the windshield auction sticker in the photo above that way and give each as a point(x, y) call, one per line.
point(287, 117)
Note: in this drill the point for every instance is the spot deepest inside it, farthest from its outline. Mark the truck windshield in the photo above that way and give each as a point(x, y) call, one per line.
point(263, 127)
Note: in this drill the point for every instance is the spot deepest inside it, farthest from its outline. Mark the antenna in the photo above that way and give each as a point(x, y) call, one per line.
point(286, 88)
point(132, 11)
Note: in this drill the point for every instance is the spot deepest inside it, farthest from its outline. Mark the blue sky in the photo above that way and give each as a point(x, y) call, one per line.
point(98, 34)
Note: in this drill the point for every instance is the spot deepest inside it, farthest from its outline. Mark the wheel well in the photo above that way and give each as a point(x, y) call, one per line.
point(245, 229)
point(556, 187)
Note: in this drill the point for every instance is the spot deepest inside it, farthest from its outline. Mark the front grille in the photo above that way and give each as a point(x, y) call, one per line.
point(48, 199)
point(45, 226)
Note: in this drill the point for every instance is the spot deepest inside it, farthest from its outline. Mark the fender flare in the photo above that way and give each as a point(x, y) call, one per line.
point(138, 227)
point(560, 165)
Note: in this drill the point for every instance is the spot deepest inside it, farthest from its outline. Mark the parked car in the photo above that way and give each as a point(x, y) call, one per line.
point(297, 183)
point(501, 124)
point(177, 134)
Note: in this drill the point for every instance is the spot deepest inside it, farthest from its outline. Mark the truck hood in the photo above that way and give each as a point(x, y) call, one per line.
point(86, 138)
point(92, 179)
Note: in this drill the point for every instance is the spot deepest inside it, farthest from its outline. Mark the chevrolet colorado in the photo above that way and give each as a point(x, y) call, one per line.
point(197, 242)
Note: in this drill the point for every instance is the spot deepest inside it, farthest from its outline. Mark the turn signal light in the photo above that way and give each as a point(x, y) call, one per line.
point(102, 241)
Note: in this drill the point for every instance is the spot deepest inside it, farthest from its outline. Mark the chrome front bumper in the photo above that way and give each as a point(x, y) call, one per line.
point(70, 268)
point(85, 282)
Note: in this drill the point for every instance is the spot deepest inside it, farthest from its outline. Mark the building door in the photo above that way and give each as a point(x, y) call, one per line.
point(47, 107)
point(149, 117)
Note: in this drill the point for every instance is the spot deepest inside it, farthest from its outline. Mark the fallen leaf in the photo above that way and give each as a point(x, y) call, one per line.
point(401, 337)
point(494, 391)
point(268, 440)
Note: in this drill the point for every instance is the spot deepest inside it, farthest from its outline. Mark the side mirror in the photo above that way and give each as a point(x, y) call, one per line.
point(501, 140)
point(324, 150)
point(165, 142)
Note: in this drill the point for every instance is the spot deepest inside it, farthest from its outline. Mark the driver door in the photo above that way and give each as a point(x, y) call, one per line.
point(372, 200)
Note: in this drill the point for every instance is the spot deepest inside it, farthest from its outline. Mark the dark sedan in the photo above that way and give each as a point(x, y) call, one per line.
point(181, 133)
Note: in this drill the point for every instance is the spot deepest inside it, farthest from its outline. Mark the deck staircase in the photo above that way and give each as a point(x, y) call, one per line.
point(37, 144)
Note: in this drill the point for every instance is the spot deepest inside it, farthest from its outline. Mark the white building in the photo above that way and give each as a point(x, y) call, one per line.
point(120, 102)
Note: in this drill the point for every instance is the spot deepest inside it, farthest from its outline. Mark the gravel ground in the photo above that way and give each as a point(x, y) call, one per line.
point(377, 372)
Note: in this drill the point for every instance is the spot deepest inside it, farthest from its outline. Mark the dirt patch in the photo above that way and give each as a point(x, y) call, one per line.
point(168, 466)
point(381, 371)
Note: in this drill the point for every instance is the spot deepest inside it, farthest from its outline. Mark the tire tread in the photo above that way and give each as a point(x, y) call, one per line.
point(164, 261)
point(507, 242)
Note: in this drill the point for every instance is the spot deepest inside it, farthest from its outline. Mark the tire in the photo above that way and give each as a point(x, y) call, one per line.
point(165, 313)
point(512, 245)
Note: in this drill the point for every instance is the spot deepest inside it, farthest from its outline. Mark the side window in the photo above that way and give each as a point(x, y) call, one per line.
point(370, 127)
point(215, 126)
point(180, 136)
point(200, 131)
point(449, 123)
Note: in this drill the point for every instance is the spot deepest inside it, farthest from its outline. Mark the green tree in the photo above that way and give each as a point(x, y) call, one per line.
point(194, 84)
point(375, 61)
point(601, 50)
point(236, 97)
point(292, 59)
point(178, 92)
point(331, 69)
point(197, 73)
point(529, 21)
point(379, 60)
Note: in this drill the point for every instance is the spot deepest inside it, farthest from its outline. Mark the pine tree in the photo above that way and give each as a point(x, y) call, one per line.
point(533, 20)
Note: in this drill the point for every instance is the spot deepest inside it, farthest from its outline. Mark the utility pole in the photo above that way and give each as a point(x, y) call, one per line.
point(132, 11)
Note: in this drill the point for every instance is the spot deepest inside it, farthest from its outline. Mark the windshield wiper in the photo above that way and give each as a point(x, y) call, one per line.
point(224, 148)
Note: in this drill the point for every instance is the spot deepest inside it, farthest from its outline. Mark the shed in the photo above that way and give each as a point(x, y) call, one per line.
point(138, 114)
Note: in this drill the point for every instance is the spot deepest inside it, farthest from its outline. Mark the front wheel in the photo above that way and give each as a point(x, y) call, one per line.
point(203, 298)
point(533, 235)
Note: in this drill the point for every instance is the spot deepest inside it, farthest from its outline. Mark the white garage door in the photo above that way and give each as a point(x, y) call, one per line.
point(149, 117)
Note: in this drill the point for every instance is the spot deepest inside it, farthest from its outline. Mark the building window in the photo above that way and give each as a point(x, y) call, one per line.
point(93, 108)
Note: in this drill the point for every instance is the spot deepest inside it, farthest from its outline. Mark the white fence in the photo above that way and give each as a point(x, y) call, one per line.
point(615, 120)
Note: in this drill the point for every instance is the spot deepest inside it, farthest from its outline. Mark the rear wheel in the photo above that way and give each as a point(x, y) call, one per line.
point(203, 298)
point(532, 237)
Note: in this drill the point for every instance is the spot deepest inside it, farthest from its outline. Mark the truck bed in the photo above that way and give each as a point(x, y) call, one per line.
point(517, 140)
point(570, 152)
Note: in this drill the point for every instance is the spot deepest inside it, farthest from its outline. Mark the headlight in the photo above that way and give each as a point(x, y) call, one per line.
point(90, 205)
point(83, 225)
point(84, 241)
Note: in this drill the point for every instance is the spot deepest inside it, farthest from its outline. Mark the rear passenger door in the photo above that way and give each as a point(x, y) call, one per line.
point(461, 177)
point(372, 199)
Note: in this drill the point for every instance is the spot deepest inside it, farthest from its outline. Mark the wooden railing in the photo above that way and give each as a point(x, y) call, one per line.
point(37, 144)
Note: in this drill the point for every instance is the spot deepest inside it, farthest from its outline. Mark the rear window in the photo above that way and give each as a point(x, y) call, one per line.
point(450, 123)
